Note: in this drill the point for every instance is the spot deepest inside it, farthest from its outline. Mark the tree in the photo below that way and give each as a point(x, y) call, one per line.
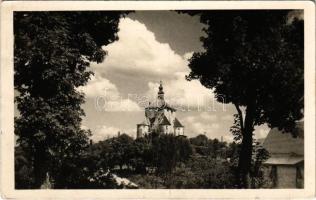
point(141, 156)
point(201, 144)
point(260, 154)
point(184, 149)
point(101, 155)
point(200, 140)
point(210, 172)
point(255, 60)
point(23, 170)
point(52, 54)
point(122, 149)
point(169, 150)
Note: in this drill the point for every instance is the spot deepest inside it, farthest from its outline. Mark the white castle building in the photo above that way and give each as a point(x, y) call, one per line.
point(160, 118)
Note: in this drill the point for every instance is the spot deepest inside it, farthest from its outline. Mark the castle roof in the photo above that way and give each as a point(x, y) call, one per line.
point(167, 106)
point(164, 121)
point(177, 123)
point(164, 106)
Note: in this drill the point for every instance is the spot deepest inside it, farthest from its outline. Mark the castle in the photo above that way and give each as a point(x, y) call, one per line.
point(160, 118)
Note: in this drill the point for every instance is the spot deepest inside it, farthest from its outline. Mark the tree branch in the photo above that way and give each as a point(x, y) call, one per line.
point(240, 118)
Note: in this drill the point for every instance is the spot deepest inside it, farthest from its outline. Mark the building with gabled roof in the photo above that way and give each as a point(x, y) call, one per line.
point(160, 118)
point(285, 166)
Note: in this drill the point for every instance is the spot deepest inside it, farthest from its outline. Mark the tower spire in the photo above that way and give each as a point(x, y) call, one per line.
point(161, 93)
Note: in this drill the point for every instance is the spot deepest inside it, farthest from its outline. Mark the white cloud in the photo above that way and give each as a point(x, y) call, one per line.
point(138, 55)
point(98, 86)
point(107, 96)
point(137, 51)
point(208, 116)
point(227, 118)
point(198, 127)
point(228, 138)
point(103, 132)
point(187, 55)
point(189, 119)
point(135, 64)
point(203, 127)
point(120, 104)
point(183, 93)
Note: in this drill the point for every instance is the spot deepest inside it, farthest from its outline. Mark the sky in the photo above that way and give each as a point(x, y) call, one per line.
point(153, 46)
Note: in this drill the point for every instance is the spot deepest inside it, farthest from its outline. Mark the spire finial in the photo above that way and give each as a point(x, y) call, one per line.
point(160, 88)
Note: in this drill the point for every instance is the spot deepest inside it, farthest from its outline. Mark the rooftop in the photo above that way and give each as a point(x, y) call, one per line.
point(284, 159)
point(164, 121)
point(177, 123)
point(278, 142)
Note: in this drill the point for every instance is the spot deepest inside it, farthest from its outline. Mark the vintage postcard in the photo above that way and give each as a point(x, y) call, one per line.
point(157, 100)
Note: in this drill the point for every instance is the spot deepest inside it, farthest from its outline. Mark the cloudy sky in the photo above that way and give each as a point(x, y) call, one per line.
point(153, 46)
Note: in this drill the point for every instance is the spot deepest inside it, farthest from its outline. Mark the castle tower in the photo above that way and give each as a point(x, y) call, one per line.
point(160, 118)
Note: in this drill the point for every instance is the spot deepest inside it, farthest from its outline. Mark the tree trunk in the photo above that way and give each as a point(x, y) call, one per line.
point(245, 155)
point(245, 159)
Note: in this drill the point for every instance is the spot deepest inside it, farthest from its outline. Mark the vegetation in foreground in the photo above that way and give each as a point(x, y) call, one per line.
point(164, 161)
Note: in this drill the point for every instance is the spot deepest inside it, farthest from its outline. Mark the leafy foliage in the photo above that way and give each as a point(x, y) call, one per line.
point(255, 60)
point(197, 172)
point(151, 163)
point(254, 55)
point(259, 155)
point(52, 53)
point(168, 150)
point(208, 147)
point(235, 129)
point(141, 157)
point(161, 153)
point(167, 161)
point(23, 170)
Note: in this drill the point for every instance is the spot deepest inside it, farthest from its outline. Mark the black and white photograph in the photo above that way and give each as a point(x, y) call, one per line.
point(131, 99)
